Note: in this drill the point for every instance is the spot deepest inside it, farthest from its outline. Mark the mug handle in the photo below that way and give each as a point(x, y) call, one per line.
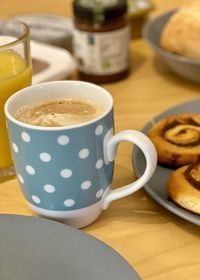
point(149, 151)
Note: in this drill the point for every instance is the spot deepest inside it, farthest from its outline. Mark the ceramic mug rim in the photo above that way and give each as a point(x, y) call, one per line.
point(42, 86)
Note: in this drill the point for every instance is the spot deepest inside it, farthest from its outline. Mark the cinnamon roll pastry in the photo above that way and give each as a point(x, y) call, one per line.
point(184, 187)
point(177, 139)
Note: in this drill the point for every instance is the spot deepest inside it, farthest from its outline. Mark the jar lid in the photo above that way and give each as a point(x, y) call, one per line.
point(99, 10)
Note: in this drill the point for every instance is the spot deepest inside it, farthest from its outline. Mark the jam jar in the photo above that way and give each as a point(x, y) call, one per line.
point(101, 40)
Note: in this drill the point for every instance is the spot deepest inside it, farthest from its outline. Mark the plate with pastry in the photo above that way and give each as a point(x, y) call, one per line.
point(175, 38)
point(176, 181)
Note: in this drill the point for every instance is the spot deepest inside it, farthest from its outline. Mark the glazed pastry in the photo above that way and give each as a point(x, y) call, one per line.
point(184, 187)
point(177, 139)
point(181, 34)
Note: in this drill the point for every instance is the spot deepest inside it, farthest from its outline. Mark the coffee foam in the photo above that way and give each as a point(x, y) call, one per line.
point(59, 112)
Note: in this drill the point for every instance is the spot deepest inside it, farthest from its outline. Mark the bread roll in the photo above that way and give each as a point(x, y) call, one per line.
point(181, 34)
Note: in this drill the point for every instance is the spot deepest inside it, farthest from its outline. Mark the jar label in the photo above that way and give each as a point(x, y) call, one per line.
point(103, 53)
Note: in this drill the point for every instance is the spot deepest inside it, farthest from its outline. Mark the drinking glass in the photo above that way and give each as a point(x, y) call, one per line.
point(15, 74)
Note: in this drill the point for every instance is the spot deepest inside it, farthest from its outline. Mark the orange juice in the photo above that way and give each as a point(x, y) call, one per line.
point(14, 75)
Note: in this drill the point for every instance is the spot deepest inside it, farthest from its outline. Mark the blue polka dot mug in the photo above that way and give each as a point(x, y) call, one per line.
point(65, 173)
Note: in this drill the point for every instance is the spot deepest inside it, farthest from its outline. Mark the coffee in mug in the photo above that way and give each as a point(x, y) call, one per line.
point(59, 112)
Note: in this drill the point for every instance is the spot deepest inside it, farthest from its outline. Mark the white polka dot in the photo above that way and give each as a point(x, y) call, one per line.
point(49, 188)
point(36, 199)
point(30, 170)
point(45, 157)
point(66, 173)
point(15, 148)
point(84, 153)
point(21, 179)
point(63, 140)
point(99, 130)
point(86, 185)
point(26, 137)
point(69, 202)
point(99, 193)
point(99, 164)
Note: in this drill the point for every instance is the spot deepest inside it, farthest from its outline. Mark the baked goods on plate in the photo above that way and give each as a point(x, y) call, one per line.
point(157, 186)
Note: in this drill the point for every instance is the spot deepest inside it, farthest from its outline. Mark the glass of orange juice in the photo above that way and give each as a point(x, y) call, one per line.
point(15, 74)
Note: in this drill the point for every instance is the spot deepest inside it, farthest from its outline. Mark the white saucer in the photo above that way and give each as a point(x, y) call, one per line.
point(55, 63)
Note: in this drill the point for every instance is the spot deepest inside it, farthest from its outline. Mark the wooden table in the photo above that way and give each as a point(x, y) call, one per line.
point(158, 244)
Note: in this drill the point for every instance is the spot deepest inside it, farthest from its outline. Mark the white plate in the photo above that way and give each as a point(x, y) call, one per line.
point(57, 63)
point(156, 187)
